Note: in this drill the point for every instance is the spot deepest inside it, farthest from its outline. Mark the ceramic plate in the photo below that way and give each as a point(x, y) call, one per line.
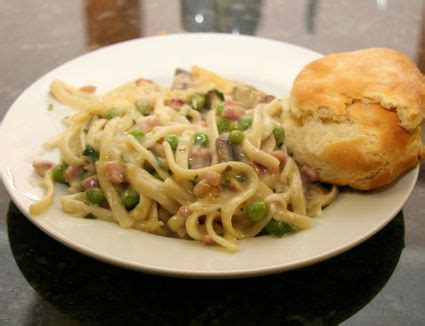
point(270, 66)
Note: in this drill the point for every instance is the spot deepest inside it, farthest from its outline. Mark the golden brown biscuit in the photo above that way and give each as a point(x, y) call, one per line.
point(354, 117)
point(326, 86)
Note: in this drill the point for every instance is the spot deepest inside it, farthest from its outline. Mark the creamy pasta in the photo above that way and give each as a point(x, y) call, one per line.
point(204, 159)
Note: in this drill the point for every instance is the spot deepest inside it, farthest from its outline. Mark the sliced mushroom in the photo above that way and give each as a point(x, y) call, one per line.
point(224, 149)
point(213, 98)
point(227, 151)
point(249, 96)
point(183, 79)
point(238, 153)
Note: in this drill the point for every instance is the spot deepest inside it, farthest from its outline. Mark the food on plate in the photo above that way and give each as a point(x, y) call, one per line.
point(205, 159)
point(354, 117)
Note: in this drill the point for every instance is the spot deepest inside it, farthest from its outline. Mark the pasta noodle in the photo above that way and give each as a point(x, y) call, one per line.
point(203, 160)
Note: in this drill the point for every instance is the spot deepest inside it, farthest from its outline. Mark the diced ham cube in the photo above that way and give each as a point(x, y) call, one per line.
point(177, 102)
point(149, 123)
point(41, 167)
point(232, 111)
point(257, 167)
point(280, 155)
point(90, 182)
point(88, 89)
point(309, 173)
point(209, 181)
point(202, 189)
point(212, 178)
point(272, 170)
point(206, 239)
point(184, 211)
point(200, 157)
point(71, 173)
point(114, 172)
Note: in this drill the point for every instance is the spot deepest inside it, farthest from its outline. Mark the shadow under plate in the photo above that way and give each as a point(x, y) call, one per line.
point(93, 292)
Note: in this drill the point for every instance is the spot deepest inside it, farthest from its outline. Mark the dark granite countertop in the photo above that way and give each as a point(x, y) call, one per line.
point(380, 282)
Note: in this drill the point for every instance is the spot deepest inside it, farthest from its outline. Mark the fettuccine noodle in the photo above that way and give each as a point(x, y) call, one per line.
point(203, 160)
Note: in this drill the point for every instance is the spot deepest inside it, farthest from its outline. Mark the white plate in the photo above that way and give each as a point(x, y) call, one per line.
point(267, 64)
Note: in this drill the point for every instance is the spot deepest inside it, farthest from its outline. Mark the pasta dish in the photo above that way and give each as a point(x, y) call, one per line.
point(204, 159)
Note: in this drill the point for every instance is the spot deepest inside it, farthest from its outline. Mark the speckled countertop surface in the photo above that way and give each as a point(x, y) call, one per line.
point(380, 282)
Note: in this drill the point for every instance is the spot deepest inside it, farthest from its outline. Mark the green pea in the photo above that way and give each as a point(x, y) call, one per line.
point(278, 228)
point(278, 135)
point(91, 153)
point(201, 138)
point(236, 137)
point(223, 125)
point(112, 113)
point(143, 107)
point(245, 123)
point(173, 141)
point(59, 172)
point(138, 134)
point(198, 101)
point(219, 109)
point(95, 195)
point(257, 210)
point(130, 198)
point(234, 126)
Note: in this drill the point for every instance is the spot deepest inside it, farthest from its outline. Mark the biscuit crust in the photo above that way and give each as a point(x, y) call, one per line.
point(378, 75)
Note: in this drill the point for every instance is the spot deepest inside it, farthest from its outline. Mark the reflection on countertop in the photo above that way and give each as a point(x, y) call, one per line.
point(89, 291)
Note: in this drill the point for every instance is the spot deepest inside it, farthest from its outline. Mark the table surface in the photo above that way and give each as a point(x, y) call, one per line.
point(380, 282)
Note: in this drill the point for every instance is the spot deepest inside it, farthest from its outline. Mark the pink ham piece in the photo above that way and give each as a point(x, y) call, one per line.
point(114, 172)
point(202, 189)
point(210, 179)
point(272, 170)
point(184, 211)
point(90, 182)
point(232, 111)
point(149, 123)
point(206, 239)
point(88, 89)
point(200, 157)
point(72, 173)
point(177, 102)
point(41, 167)
point(280, 155)
point(309, 173)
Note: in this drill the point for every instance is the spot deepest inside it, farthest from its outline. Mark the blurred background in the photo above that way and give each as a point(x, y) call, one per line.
point(50, 32)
